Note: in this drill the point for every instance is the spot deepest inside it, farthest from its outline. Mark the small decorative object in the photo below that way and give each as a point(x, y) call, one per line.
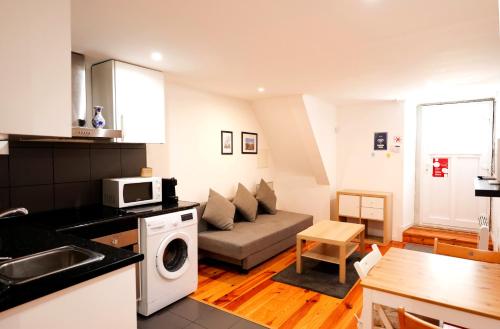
point(249, 143)
point(81, 122)
point(226, 142)
point(146, 172)
point(98, 120)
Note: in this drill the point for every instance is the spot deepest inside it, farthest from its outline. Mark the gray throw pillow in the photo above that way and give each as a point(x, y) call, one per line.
point(246, 203)
point(266, 197)
point(219, 211)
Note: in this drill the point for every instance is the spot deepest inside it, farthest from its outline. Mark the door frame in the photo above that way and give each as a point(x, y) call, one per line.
point(417, 210)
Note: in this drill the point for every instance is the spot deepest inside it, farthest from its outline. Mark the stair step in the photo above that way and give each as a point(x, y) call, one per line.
point(426, 235)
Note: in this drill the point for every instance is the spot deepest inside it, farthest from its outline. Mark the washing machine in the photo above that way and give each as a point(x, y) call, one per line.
point(169, 271)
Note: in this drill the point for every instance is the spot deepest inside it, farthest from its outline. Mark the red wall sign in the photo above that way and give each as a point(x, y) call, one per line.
point(440, 167)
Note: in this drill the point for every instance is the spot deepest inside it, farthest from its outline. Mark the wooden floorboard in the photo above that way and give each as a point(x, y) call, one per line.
point(426, 235)
point(255, 297)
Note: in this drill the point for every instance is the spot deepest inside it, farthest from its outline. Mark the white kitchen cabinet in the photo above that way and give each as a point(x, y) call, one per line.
point(105, 302)
point(35, 61)
point(133, 100)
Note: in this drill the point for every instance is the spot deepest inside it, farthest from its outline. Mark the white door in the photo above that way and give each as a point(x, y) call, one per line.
point(455, 146)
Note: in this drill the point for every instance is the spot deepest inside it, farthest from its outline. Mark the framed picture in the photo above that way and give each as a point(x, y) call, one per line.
point(249, 143)
point(226, 142)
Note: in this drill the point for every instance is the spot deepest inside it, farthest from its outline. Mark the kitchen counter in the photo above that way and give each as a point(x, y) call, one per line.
point(93, 221)
point(18, 240)
point(21, 236)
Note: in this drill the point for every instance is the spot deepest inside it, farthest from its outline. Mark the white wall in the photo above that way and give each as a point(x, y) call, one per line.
point(322, 118)
point(495, 202)
point(192, 154)
point(301, 181)
point(409, 163)
point(358, 166)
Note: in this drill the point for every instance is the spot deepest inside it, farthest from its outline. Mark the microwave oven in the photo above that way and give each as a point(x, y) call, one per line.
point(131, 191)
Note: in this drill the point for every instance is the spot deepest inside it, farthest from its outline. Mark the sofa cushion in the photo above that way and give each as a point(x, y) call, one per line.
point(219, 211)
point(247, 238)
point(266, 197)
point(246, 203)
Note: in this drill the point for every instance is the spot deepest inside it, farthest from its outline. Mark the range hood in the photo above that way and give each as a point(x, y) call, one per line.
point(81, 126)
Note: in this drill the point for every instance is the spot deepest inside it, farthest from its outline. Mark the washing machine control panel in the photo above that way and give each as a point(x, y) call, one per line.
point(186, 217)
point(168, 222)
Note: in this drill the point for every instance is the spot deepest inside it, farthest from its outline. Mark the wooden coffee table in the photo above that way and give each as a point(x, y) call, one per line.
point(335, 243)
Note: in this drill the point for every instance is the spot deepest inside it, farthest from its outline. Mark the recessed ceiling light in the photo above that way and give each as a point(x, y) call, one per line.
point(261, 89)
point(156, 56)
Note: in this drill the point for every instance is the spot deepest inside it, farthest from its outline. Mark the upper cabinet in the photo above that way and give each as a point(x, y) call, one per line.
point(35, 66)
point(133, 100)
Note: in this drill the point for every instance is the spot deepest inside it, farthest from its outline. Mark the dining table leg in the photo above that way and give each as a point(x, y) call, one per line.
point(367, 314)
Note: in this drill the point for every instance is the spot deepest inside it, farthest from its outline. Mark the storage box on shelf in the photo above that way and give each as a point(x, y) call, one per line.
point(368, 208)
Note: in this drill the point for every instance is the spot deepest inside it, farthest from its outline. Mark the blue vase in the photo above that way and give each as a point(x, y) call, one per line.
point(98, 120)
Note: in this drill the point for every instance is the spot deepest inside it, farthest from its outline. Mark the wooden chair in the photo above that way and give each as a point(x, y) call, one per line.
point(466, 252)
point(408, 321)
point(363, 267)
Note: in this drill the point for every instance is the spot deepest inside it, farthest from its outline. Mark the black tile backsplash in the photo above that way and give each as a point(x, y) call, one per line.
point(71, 164)
point(105, 163)
point(35, 198)
point(132, 161)
point(4, 171)
point(31, 166)
point(4, 198)
point(72, 195)
point(46, 176)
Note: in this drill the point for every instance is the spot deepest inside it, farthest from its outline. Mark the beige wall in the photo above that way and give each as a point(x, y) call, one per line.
point(194, 119)
point(358, 166)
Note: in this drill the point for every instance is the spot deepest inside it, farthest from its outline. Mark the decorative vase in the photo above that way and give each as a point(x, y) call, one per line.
point(98, 120)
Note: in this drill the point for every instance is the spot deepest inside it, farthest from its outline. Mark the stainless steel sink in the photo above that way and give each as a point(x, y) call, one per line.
point(31, 267)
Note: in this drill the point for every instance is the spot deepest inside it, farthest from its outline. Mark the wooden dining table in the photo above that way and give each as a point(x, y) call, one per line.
point(454, 290)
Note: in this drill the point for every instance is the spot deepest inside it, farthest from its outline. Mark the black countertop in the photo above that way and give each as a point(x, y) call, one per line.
point(482, 187)
point(95, 221)
point(26, 235)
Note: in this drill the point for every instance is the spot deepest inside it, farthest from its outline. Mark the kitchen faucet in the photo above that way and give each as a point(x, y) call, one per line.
point(13, 211)
point(8, 212)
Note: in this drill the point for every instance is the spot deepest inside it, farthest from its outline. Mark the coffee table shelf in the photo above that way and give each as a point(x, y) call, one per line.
point(334, 243)
point(329, 253)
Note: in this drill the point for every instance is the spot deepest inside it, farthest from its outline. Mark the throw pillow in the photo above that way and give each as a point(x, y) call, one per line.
point(219, 211)
point(266, 197)
point(246, 203)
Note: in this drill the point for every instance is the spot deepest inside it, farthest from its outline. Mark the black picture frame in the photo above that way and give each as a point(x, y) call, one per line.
point(222, 150)
point(245, 149)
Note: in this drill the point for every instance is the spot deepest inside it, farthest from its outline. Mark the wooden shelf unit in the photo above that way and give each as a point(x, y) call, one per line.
point(367, 207)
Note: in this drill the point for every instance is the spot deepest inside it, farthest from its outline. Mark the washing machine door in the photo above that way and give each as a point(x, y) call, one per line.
point(172, 259)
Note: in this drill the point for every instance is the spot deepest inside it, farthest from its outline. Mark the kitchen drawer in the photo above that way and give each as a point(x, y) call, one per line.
point(349, 205)
point(119, 240)
point(372, 213)
point(371, 202)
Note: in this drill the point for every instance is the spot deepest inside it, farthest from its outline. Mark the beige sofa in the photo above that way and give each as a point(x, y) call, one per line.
point(251, 243)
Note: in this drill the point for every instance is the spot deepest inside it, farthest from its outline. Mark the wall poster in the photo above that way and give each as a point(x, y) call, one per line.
point(440, 167)
point(380, 141)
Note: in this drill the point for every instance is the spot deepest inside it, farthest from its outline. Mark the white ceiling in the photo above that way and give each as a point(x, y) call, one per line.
point(344, 49)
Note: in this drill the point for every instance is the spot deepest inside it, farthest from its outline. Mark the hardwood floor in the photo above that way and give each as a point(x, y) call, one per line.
point(256, 297)
point(426, 235)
